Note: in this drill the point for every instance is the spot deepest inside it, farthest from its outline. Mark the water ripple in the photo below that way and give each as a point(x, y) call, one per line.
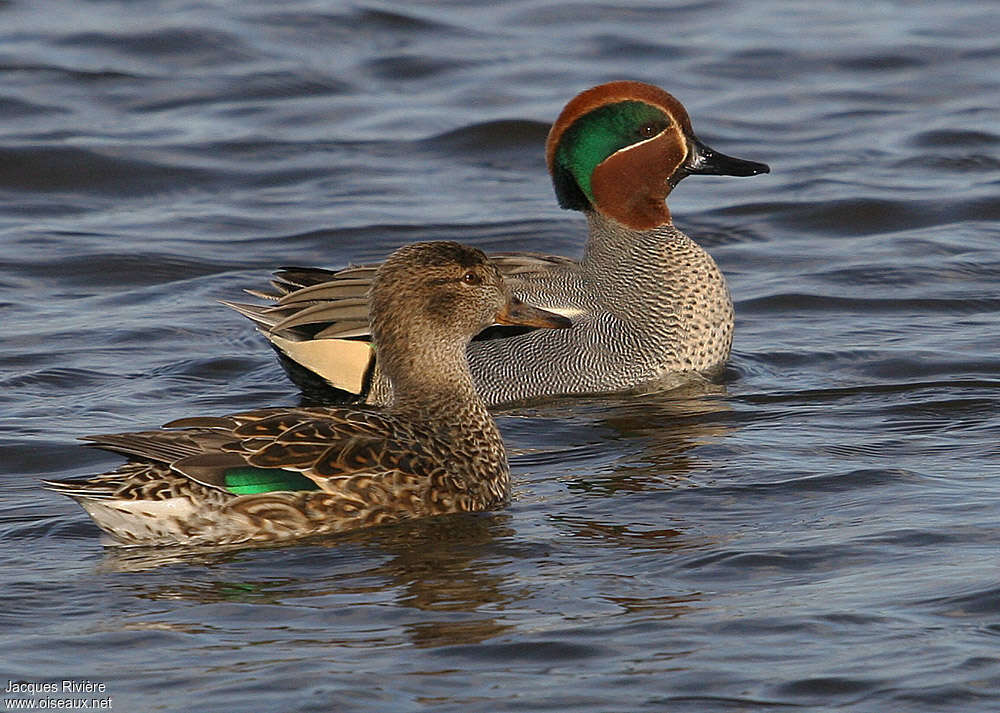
point(815, 531)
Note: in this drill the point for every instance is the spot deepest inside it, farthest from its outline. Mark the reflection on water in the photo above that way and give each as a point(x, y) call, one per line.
point(659, 434)
point(438, 565)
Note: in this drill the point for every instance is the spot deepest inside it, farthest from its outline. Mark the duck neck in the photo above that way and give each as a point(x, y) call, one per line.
point(616, 253)
point(664, 285)
point(432, 388)
point(431, 381)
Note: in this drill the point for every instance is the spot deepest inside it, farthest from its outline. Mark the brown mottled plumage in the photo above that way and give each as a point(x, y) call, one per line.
point(434, 449)
point(650, 307)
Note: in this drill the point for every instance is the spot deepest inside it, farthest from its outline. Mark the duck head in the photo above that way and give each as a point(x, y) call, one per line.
point(620, 148)
point(447, 293)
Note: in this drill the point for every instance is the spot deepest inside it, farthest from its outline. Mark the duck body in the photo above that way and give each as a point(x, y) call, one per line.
point(281, 473)
point(200, 481)
point(653, 310)
point(649, 306)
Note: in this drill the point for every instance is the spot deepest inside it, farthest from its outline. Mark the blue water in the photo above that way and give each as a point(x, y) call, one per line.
point(818, 533)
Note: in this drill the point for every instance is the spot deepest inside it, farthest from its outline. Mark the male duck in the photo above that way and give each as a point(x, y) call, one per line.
point(649, 306)
point(279, 473)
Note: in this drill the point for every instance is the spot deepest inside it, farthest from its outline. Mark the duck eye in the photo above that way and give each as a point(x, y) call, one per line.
point(648, 131)
point(472, 278)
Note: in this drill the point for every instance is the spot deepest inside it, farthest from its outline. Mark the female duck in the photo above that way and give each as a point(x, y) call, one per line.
point(650, 307)
point(277, 473)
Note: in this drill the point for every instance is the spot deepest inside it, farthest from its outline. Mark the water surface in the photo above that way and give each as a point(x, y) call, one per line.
point(817, 533)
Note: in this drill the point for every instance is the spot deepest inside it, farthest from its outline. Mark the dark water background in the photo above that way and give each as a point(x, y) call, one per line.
point(821, 533)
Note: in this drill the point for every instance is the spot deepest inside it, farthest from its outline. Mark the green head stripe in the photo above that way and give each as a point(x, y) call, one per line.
point(250, 481)
point(594, 137)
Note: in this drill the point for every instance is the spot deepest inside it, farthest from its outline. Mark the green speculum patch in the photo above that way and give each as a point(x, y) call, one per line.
point(251, 481)
point(597, 135)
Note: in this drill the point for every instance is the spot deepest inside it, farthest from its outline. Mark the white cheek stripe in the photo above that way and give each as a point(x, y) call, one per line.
point(638, 143)
point(646, 141)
